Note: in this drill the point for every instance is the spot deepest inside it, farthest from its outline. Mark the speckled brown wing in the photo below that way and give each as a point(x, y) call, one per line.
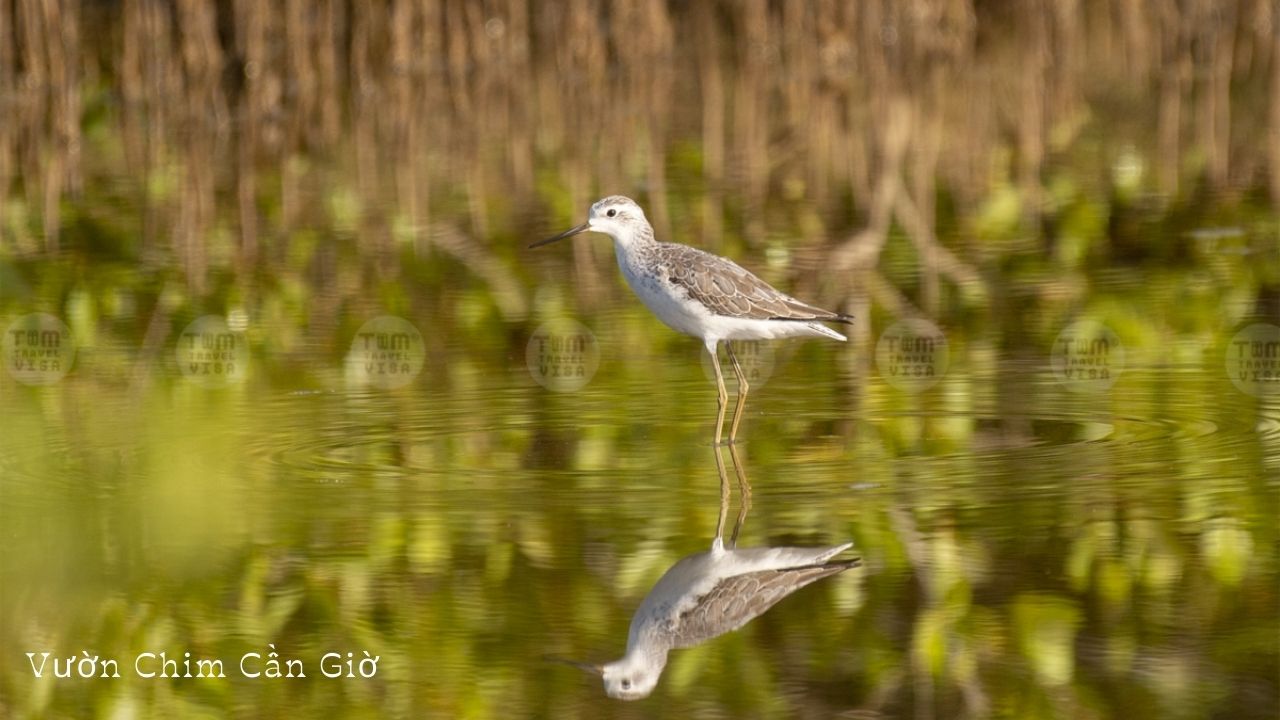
point(736, 601)
point(728, 289)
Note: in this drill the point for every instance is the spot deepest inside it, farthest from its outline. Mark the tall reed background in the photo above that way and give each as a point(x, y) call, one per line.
point(231, 125)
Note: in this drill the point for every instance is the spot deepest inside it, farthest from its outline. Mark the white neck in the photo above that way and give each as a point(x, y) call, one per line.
point(632, 236)
point(644, 662)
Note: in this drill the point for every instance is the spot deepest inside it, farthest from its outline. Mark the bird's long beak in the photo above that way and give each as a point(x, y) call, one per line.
point(597, 670)
point(567, 233)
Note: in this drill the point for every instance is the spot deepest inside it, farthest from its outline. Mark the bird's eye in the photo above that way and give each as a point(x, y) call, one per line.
point(626, 684)
point(612, 212)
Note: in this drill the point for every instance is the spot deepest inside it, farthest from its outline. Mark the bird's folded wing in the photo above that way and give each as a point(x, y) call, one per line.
point(737, 600)
point(728, 289)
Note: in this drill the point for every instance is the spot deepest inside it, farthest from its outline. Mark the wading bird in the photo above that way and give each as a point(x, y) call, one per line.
point(706, 595)
point(701, 294)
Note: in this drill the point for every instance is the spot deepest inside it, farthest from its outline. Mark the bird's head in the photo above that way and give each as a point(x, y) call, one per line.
point(616, 216)
point(633, 677)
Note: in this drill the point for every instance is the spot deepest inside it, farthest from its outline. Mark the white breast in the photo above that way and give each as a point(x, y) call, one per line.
point(662, 298)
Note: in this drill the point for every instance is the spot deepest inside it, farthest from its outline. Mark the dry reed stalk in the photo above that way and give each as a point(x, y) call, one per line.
point(8, 72)
point(711, 90)
point(1274, 126)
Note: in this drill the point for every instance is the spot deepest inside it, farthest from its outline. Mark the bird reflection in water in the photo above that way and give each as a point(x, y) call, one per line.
point(706, 595)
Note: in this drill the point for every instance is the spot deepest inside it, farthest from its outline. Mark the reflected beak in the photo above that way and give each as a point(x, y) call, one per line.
point(567, 233)
point(596, 670)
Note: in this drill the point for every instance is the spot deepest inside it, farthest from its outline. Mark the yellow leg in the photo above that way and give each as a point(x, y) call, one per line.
point(722, 397)
point(722, 400)
point(743, 387)
point(744, 488)
point(724, 497)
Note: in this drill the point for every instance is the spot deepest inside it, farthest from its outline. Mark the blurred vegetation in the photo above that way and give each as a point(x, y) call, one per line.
point(1001, 168)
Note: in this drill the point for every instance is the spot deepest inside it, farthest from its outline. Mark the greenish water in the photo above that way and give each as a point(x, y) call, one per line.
point(1028, 550)
point(281, 375)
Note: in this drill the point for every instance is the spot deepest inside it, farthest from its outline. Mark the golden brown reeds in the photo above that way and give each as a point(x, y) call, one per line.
point(243, 119)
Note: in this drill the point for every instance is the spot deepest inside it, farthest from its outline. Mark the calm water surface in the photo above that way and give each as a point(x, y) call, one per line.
point(1071, 553)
